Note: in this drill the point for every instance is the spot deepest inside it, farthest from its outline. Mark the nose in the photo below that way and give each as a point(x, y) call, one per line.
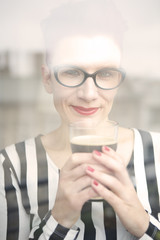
point(88, 90)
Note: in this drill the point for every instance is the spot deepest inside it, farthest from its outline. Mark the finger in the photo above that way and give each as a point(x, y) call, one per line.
point(109, 159)
point(125, 192)
point(105, 193)
point(87, 194)
point(113, 164)
point(77, 164)
point(74, 173)
point(109, 181)
point(78, 159)
point(82, 183)
point(77, 172)
point(113, 154)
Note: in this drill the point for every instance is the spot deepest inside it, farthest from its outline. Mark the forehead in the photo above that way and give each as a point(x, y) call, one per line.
point(83, 51)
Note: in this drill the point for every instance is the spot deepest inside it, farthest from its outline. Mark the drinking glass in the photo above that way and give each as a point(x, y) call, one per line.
point(86, 136)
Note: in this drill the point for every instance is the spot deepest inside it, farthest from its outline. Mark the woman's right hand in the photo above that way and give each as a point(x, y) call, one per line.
point(74, 189)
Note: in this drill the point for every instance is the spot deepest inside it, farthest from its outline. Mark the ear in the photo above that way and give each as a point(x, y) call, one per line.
point(47, 82)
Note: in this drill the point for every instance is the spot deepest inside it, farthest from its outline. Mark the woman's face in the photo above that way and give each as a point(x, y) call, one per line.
point(87, 100)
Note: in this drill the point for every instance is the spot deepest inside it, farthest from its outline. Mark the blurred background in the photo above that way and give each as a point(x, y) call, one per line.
point(26, 110)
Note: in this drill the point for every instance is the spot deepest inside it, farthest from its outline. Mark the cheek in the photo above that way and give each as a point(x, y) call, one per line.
point(58, 91)
point(61, 95)
point(58, 98)
point(59, 103)
point(109, 95)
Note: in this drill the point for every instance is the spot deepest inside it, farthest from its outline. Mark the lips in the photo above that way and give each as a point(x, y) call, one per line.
point(85, 111)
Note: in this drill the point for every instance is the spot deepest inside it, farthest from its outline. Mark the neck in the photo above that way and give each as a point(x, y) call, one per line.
point(62, 135)
point(58, 140)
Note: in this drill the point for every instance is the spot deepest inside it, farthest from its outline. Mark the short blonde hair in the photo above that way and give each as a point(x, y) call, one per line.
point(85, 17)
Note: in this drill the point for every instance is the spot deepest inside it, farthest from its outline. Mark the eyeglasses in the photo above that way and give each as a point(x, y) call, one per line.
point(105, 78)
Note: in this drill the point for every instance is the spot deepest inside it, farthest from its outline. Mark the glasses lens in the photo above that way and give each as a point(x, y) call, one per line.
point(108, 78)
point(70, 76)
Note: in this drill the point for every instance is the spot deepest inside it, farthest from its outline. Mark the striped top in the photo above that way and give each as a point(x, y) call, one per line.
point(28, 187)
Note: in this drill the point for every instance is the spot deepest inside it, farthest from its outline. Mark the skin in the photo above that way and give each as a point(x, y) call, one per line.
point(80, 170)
point(117, 189)
point(81, 52)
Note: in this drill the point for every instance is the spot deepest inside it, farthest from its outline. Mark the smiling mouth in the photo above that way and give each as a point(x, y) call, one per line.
point(85, 111)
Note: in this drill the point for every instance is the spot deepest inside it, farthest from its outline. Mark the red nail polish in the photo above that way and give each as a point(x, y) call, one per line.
point(90, 169)
point(95, 183)
point(97, 153)
point(106, 148)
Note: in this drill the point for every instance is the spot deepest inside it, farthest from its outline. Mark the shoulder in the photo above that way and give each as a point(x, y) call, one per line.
point(148, 135)
point(15, 153)
point(156, 143)
point(134, 134)
point(150, 141)
point(17, 158)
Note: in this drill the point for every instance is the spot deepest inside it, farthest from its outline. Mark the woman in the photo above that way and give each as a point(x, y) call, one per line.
point(45, 189)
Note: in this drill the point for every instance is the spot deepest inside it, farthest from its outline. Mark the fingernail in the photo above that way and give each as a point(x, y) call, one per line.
point(90, 169)
point(95, 183)
point(106, 148)
point(97, 153)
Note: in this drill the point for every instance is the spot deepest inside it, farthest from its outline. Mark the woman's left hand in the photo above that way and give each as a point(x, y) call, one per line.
point(117, 189)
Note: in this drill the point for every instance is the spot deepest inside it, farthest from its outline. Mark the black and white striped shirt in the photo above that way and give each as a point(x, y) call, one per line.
point(28, 186)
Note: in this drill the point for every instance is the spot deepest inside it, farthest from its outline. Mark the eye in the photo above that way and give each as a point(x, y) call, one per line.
point(105, 74)
point(71, 73)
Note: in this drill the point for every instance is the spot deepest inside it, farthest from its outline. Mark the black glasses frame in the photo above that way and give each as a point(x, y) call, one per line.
point(87, 75)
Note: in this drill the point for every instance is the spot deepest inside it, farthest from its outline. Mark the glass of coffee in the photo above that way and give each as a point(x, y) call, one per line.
point(86, 136)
